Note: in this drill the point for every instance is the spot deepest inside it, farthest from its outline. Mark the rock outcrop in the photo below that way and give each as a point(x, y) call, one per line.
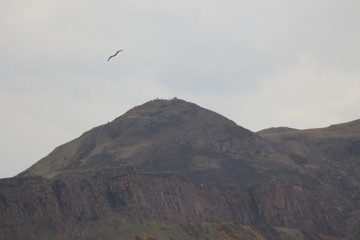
point(69, 205)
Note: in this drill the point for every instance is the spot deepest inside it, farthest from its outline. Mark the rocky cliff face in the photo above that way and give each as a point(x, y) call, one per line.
point(69, 205)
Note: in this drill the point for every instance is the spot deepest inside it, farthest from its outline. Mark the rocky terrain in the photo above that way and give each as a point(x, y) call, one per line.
point(169, 169)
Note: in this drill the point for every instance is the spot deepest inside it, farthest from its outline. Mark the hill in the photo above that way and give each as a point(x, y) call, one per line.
point(169, 169)
point(171, 136)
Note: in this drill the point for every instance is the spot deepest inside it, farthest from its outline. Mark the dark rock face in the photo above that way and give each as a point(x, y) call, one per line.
point(70, 204)
point(27, 209)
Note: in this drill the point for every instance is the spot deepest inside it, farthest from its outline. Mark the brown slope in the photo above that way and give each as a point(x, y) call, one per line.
point(164, 136)
point(323, 149)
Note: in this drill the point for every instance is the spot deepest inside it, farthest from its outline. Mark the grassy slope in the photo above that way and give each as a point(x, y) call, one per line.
point(350, 129)
point(159, 231)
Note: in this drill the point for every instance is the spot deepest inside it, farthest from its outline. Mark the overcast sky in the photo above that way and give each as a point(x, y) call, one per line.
point(261, 63)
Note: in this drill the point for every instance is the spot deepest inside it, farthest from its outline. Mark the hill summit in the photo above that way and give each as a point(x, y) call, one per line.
point(169, 136)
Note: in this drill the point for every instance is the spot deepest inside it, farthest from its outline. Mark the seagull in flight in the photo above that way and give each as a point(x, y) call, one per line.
point(114, 54)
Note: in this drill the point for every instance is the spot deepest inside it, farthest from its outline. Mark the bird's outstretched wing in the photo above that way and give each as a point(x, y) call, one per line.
point(114, 54)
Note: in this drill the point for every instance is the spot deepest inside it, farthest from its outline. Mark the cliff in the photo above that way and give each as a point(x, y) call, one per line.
point(71, 205)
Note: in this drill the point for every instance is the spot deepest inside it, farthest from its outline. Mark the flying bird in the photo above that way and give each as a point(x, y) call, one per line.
point(114, 54)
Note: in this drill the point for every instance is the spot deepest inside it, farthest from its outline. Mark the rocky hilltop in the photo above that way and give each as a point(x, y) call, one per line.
point(170, 136)
point(169, 169)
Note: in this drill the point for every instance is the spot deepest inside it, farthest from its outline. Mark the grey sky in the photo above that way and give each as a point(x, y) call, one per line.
point(260, 63)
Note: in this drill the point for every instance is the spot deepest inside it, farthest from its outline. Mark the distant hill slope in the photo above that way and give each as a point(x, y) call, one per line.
point(172, 162)
point(349, 129)
point(276, 130)
point(330, 157)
